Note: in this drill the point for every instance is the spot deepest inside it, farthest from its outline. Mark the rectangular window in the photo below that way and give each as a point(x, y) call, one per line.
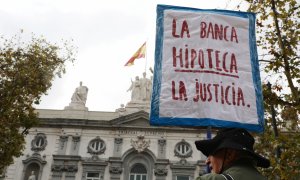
point(182, 177)
point(135, 176)
point(92, 176)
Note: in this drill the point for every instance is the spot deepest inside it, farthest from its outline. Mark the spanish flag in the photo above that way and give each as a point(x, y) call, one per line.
point(140, 53)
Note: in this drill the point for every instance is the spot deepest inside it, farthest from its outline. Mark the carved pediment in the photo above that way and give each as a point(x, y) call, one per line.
point(140, 144)
point(139, 119)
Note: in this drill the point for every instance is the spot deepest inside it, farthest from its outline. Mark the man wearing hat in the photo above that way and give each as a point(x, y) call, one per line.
point(230, 156)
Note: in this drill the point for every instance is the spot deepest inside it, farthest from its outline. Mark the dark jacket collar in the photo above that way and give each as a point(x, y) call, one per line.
point(245, 162)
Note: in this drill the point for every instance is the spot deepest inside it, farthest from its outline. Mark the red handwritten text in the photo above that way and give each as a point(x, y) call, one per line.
point(195, 59)
point(206, 30)
point(219, 93)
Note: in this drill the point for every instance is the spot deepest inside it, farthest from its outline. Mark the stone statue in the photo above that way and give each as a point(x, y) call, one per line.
point(135, 89)
point(144, 82)
point(141, 89)
point(32, 176)
point(150, 88)
point(121, 110)
point(80, 94)
point(79, 98)
point(146, 88)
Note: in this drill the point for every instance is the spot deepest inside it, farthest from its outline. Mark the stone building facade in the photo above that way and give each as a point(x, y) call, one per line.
point(77, 144)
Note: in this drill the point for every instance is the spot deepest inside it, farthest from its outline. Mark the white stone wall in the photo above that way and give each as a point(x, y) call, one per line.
point(15, 171)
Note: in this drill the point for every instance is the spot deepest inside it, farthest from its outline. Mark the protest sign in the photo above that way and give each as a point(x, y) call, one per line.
point(206, 69)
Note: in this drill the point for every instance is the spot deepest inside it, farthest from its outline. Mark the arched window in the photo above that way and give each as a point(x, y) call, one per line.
point(32, 169)
point(138, 172)
point(33, 164)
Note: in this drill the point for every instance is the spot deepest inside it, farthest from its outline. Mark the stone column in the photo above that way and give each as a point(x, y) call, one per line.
point(161, 170)
point(57, 171)
point(71, 170)
point(161, 148)
point(94, 165)
point(118, 147)
point(75, 145)
point(63, 140)
point(64, 167)
point(115, 168)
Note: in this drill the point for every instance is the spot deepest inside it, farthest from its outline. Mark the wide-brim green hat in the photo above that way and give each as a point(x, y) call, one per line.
point(233, 138)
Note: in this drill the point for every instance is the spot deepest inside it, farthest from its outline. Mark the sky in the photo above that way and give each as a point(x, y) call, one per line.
point(106, 34)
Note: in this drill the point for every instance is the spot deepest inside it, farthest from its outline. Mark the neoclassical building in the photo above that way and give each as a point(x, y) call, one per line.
point(78, 144)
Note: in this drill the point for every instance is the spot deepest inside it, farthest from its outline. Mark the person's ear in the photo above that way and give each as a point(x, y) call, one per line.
point(231, 155)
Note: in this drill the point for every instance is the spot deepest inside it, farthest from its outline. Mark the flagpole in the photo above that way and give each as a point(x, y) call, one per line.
point(146, 55)
point(208, 137)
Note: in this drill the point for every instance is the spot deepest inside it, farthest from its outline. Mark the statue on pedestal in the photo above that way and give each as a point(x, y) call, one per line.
point(80, 94)
point(146, 86)
point(79, 98)
point(135, 89)
point(140, 93)
point(32, 176)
